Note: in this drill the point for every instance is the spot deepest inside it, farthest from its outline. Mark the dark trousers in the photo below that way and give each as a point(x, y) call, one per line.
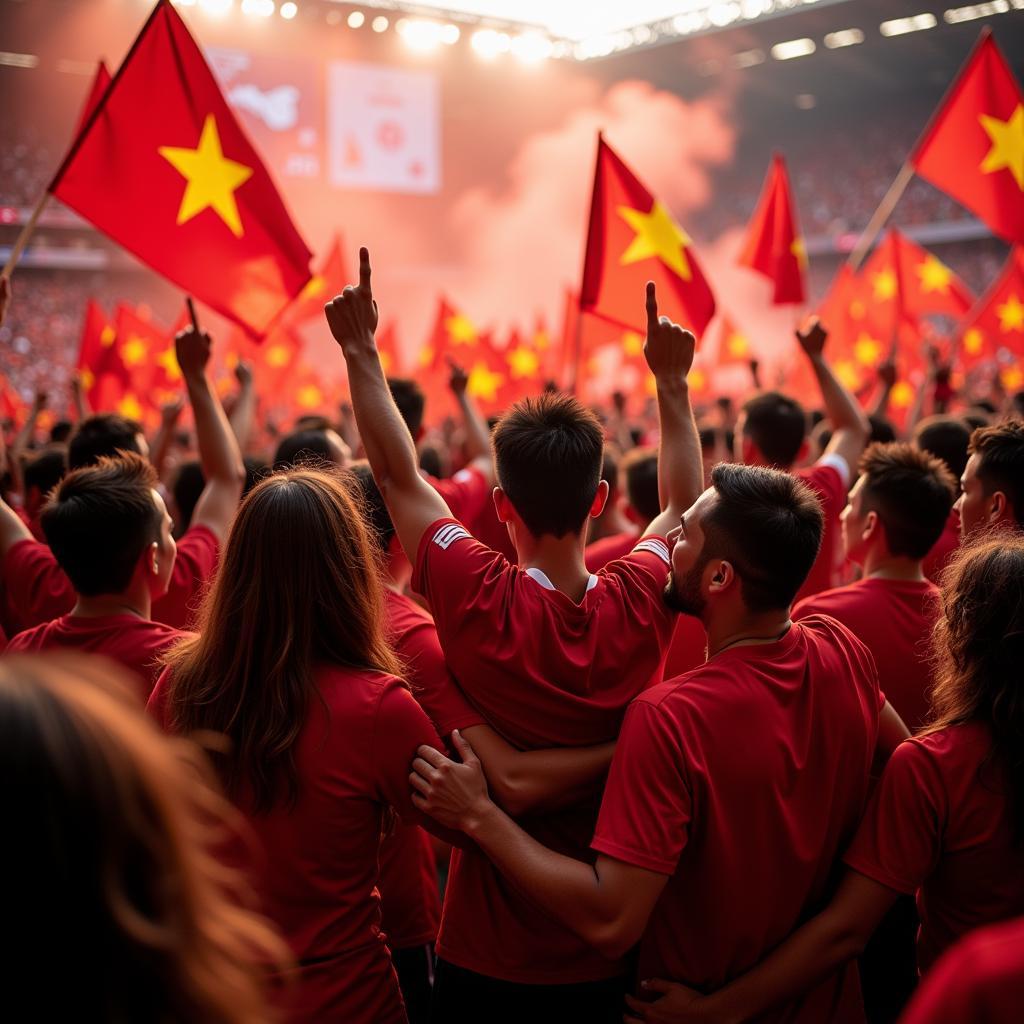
point(465, 997)
point(415, 970)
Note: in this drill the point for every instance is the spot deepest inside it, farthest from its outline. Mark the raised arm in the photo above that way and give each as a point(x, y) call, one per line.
point(412, 502)
point(850, 427)
point(78, 398)
point(22, 441)
point(886, 382)
point(12, 529)
point(478, 436)
point(219, 457)
point(669, 353)
point(161, 444)
point(244, 412)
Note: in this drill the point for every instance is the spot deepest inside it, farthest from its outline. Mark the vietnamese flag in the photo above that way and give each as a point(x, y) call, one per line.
point(99, 86)
point(774, 246)
point(454, 335)
point(388, 348)
point(974, 146)
point(632, 239)
point(164, 169)
point(733, 345)
point(98, 336)
point(997, 320)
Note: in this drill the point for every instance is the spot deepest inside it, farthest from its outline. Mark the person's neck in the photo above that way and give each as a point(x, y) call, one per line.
point(747, 630)
point(880, 565)
point(560, 559)
point(102, 605)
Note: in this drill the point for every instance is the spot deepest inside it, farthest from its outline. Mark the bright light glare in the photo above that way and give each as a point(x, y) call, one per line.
point(258, 8)
point(488, 43)
point(420, 35)
point(379, 24)
point(844, 37)
point(793, 48)
point(289, 10)
point(356, 19)
point(215, 8)
point(901, 26)
point(184, 3)
point(450, 34)
point(531, 47)
point(956, 15)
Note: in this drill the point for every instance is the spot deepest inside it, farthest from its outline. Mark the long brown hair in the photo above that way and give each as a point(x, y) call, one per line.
point(299, 585)
point(978, 654)
point(116, 907)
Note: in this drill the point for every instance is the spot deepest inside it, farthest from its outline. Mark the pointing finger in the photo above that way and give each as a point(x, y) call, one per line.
point(364, 270)
point(652, 306)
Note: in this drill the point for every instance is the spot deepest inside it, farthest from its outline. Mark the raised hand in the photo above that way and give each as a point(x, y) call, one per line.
point(887, 372)
point(243, 374)
point(352, 315)
point(192, 350)
point(669, 348)
point(39, 400)
point(171, 411)
point(450, 792)
point(812, 337)
point(458, 379)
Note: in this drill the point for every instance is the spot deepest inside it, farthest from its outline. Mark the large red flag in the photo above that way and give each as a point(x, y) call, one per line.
point(974, 147)
point(98, 336)
point(774, 246)
point(633, 239)
point(163, 168)
point(997, 320)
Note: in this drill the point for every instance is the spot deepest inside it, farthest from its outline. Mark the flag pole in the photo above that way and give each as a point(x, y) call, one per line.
point(25, 235)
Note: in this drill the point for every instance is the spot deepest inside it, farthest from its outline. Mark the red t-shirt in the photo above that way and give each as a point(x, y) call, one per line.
point(980, 981)
point(545, 672)
point(316, 873)
point(744, 781)
point(689, 647)
point(894, 620)
point(944, 548)
point(465, 493)
point(37, 589)
point(599, 553)
point(939, 825)
point(136, 643)
point(410, 901)
point(830, 485)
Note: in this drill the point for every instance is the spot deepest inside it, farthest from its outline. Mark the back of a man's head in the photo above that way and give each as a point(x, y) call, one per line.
point(1000, 451)
point(100, 520)
point(777, 425)
point(945, 437)
point(410, 400)
point(768, 525)
point(302, 447)
point(640, 468)
point(911, 492)
point(372, 506)
point(45, 471)
point(548, 453)
point(106, 434)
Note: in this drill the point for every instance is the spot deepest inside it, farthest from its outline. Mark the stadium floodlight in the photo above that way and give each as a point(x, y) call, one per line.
point(748, 58)
point(215, 8)
point(531, 47)
point(488, 43)
point(793, 48)
point(957, 15)
point(844, 37)
point(356, 19)
point(289, 10)
point(379, 24)
point(258, 8)
point(901, 26)
point(419, 34)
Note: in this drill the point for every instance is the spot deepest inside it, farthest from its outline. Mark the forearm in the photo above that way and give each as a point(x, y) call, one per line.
point(12, 529)
point(680, 469)
point(219, 454)
point(19, 446)
point(881, 404)
point(243, 415)
point(160, 446)
point(478, 437)
point(840, 406)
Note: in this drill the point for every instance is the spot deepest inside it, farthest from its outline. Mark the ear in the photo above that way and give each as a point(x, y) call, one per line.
point(719, 577)
point(502, 506)
point(872, 526)
point(600, 499)
point(152, 556)
point(1000, 508)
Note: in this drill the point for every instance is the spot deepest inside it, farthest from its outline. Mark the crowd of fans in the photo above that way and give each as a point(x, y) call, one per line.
point(694, 718)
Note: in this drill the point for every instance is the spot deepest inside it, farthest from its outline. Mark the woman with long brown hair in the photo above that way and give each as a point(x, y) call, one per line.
point(947, 819)
point(115, 907)
point(291, 664)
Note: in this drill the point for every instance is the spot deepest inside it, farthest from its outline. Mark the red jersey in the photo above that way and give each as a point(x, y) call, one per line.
point(981, 980)
point(136, 643)
point(829, 478)
point(410, 901)
point(37, 589)
point(744, 781)
point(599, 553)
point(894, 620)
point(689, 647)
point(316, 873)
point(944, 548)
point(939, 825)
point(466, 493)
point(544, 671)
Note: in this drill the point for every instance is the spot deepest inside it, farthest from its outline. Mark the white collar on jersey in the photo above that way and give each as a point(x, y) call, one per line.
point(541, 577)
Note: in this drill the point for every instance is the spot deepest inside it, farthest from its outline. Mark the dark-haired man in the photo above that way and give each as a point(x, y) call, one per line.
point(772, 431)
point(110, 532)
point(993, 481)
point(105, 434)
point(38, 590)
point(735, 787)
point(548, 652)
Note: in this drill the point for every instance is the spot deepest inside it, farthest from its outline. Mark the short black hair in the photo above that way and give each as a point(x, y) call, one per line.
point(409, 398)
point(947, 438)
point(769, 525)
point(103, 435)
point(302, 447)
point(912, 493)
point(548, 453)
point(47, 469)
point(100, 520)
point(610, 467)
point(1000, 451)
point(371, 504)
point(640, 468)
point(777, 424)
point(430, 460)
point(882, 430)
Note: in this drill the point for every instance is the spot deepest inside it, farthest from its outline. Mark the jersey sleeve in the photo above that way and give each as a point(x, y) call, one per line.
point(198, 551)
point(646, 809)
point(641, 577)
point(899, 842)
point(465, 493)
point(432, 684)
point(36, 588)
point(829, 479)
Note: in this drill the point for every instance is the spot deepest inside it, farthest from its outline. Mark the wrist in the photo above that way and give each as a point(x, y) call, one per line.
point(671, 384)
point(481, 819)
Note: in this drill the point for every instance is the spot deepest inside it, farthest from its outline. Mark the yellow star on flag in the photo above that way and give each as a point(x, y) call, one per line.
point(858, 309)
point(885, 284)
point(934, 274)
point(1012, 378)
point(867, 349)
point(657, 236)
point(974, 341)
point(523, 362)
point(460, 330)
point(129, 407)
point(426, 357)
point(848, 374)
point(1007, 145)
point(314, 286)
point(737, 346)
point(133, 351)
point(1011, 314)
point(212, 178)
point(87, 377)
point(541, 341)
point(278, 356)
point(169, 362)
point(632, 343)
point(902, 395)
point(696, 379)
point(309, 396)
point(483, 383)
point(107, 336)
point(799, 250)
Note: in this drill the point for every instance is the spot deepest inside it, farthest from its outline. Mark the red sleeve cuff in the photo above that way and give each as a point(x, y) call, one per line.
point(638, 858)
